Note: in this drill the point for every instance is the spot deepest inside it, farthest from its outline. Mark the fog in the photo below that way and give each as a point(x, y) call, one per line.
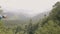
point(28, 7)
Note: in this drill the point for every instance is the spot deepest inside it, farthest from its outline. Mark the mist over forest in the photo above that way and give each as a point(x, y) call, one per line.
point(47, 22)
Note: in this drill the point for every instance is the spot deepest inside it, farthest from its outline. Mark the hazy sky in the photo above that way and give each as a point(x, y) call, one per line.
point(33, 6)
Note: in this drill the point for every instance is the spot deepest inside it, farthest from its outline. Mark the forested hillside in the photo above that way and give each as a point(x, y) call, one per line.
point(48, 25)
point(51, 24)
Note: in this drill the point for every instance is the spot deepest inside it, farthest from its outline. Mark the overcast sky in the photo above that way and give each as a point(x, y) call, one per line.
point(33, 6)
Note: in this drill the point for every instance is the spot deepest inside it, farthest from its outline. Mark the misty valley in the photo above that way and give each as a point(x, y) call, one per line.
point(47, 22)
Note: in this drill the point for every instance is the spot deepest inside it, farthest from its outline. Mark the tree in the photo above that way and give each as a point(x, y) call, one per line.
point(51, 24)
point(55, 13)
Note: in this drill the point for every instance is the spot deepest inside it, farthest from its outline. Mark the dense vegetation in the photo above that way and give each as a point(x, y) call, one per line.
point(48, 25)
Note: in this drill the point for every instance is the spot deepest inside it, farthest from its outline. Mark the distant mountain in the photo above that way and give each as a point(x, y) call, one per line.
point(18, 18)
point(38, 17)
point(15, 18)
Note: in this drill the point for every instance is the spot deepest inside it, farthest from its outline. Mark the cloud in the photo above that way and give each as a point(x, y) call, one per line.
point(36, 6)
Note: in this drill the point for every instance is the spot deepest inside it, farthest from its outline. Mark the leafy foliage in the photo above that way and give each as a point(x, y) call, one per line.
point(48, 25)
